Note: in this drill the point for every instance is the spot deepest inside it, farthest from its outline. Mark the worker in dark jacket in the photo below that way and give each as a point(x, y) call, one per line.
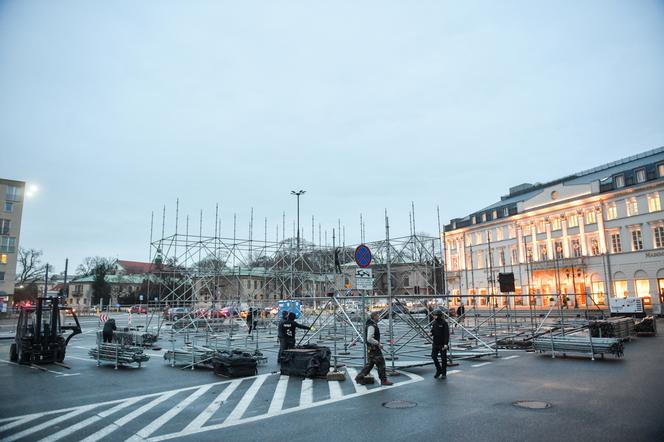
point(440, 332)
point(374, 352)
point(281, 335)
point(252, 319)
point(289, 326)
point(109, 328)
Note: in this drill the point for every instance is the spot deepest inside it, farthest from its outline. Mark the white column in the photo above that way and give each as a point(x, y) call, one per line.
point(565, 238)
point(533, 232)
point(600, 228)
point(549, 241)
point(461, 253)
point(582, 234)
point(519, 243)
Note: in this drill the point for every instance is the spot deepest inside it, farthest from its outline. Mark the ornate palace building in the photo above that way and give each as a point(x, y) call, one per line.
point(588, 236)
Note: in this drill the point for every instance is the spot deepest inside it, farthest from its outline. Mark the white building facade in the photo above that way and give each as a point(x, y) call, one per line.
point(575, 241)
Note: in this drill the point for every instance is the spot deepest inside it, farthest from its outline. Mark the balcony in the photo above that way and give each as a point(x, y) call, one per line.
point(558, 263)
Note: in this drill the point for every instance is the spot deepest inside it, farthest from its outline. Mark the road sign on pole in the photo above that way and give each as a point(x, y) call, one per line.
point(364, 278)
point(363, 256)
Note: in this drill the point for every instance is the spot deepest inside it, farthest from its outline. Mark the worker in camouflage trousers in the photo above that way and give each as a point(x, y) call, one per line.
point(374, 352)
point(440, 333)
point(109, 328)
point(281, 334)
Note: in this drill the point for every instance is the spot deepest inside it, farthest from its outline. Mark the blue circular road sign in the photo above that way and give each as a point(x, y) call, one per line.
point(363, 256)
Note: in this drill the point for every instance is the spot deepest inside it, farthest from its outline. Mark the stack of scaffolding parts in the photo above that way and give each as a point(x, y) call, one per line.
point(579, 344)
point(234, 364)
point(191, 356)
point(646, 327)
point(134, 337)
point(618, 327)
point(118, 354)
point(310, 361)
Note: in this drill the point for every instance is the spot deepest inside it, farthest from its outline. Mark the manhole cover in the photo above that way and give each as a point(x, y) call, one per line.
point(532, 405)
point(399, 404)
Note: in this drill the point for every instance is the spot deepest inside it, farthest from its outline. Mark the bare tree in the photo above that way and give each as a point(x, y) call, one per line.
point(90, 265)
point(30, 267)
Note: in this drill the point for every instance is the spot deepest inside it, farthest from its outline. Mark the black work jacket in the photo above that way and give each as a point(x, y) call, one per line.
point(289, 327)
point(440, 332)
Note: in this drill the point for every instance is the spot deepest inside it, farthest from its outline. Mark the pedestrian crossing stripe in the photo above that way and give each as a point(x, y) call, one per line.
point(82, 422)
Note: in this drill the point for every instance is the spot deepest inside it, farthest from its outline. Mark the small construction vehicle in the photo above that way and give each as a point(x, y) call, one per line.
point(40, 332)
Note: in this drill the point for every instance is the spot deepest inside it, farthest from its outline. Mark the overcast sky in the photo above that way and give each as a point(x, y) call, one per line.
point(115, 108)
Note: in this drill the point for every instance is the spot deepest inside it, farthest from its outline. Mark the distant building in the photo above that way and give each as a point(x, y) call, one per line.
point(599, 232)
point(12, 193)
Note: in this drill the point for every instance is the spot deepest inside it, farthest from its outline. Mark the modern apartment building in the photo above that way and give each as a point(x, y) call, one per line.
point(11, 194)
point(585, 237)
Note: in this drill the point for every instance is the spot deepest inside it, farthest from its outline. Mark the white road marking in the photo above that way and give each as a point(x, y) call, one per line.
point(242, 406)
point(20, 421)
point(170, 414)
point(59, 374)
point(211, 409)
point(279, 396)
point(482, 364)
point(358, 388)
point(307, 392)
point(512, 357)
point(453, 371)
point(128, 418)
point(335, 389)
point(51, 422)
point(89, 421)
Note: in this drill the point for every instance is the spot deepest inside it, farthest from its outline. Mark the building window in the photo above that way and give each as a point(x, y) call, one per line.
point(506, 211)
point(637, 240)
point(576, 248)
point(511, 231)
point(541, 226)
point(2, 276)
point(642, 288)
point(555, 224)
point(616, 246)
point(658, 233)
point(572, 220)
point(654, 204)
point(543, 252)
point(660, 169)
point(501, 258)
point(529, 253)
point(406, 281)
point(484, 217)
point(3, 259)
point(611, 212)
point(590, 217)
point(478, 238)
point(594, 247)
point(7, 244)
point(632, 207)
point(641, 176)
point(494, 214)
point(559, 249)
point(9, 206)
point(473, 219)
point(499, 234)
point(12, 193)
point(619, 181)
point(4, 226)
point(515, 255)
point(620, 288)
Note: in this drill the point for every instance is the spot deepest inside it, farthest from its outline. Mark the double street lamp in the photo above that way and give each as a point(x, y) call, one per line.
point(297, 194)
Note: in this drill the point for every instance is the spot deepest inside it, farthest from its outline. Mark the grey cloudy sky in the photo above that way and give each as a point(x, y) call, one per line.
point(116, 108)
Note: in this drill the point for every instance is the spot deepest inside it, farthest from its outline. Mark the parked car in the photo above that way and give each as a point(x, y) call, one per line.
point(175, 313)
point(138, 309)
point(230, 311)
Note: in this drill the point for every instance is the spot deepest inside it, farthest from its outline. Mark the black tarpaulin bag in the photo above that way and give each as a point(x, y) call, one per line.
point(236, 364)
point(306, 361)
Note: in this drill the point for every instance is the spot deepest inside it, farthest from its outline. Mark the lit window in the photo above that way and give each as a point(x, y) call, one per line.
point(641, 176)
point(611, 212)
point(621, 288)
point(658, 233)
point(572, 220)
point(3, 259)
point(642, 288)
point(637, 240)
point(494, 215)
point(484, 217)
point(555, 224)
point(619, 181)
point(654, 204)
point(616, 246)
point(660, 169)
point(632, 207)
point(590, 217)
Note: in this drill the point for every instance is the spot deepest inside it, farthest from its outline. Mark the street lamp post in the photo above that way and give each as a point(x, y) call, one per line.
point(297, 194)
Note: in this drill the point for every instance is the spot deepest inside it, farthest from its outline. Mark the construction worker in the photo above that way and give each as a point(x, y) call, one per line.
point(289, 326)
point(252, 319)
point(374, 352)
point(281, 334)
point(440, 332)
point(109, 328)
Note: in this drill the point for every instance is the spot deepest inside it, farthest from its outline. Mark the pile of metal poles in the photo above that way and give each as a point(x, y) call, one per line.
point(119, 354)
point(620, 327)
point(579, 344)
point(190, 355)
